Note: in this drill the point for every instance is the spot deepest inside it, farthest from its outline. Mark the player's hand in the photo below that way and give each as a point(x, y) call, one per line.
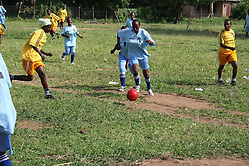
point(49, 54)
point(233, 48)
point(149, 41)
point(81, 37)
point(118, 47)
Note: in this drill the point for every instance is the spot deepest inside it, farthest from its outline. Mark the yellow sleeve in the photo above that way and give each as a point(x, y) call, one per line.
point(36, 37)
point(56, 18)
point(66, 13)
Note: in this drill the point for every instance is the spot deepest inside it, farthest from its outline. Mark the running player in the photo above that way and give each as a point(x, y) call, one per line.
point(54, 22)
point(128, 22)
point(62, 13)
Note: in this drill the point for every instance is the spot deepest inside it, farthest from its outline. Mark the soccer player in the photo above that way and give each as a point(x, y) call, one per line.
point(54, 20)
point(128, 22)
point(1, 32)
point(227, 51)
point(246, 25)
point(62, 13)
point(2, 15)
point(69, 33)
point(138, 39)
point(123, 61)
point(8, 115)
point(32, 57)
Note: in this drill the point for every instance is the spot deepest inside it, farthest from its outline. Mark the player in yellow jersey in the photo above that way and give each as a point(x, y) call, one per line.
point(33, 55)
point(1, 32)
point(227, 51)
point(62, 13)
point(54, 22)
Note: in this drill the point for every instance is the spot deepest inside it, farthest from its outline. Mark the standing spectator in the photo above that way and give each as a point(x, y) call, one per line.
point(7, 115)
point(32, 57)
point(128, 22)
point(69, 33)
point(62, 13)
point(2, 15)
point(227, 51)
point(138, 39)
point(246, 25)
point(54, 22)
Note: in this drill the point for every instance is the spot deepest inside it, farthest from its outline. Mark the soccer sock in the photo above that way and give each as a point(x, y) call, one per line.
point(122, 78)
point(12, 77)
point(4, 160)
point(219, 79)
point(137, 78)
point(72, 57)
point(147, 80)
point(47, 92)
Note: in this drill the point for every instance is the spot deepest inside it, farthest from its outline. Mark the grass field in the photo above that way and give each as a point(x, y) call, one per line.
point(89, 125)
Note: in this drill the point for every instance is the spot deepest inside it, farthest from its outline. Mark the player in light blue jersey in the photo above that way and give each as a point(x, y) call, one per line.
point(7, 115)
point(246, 25)
point(69, 33)
point(123, 61)
point(138, 39)
point(2, 15)
point(129, 21)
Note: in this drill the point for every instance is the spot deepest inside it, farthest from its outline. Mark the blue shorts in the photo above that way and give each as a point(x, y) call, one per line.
point(247, 28)
point(5, 143)
point(143, 63)
point(69, 50)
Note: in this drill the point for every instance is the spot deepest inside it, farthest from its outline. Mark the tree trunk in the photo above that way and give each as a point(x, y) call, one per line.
point(211, 15)
point(178, 14)
point(93, 11)
point(106, 15)
point(79, 12)
point(19, 10)
point(34, 10)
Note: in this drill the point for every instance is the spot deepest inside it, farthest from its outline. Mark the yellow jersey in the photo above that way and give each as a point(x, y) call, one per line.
point(227, 38)
point(53, 18)
point(37, 39)
point(62, 13)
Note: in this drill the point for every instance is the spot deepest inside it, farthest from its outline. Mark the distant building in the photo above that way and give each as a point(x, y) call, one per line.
point(221, 8)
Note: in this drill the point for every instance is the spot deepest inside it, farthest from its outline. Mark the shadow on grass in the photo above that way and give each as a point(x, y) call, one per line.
point(187, 83)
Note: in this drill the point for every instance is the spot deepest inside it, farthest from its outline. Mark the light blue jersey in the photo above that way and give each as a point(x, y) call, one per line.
point(2, 15)
point(124, 47)
point(137, 45)
point(128, 23)
point(72, 33)
point(7, 109)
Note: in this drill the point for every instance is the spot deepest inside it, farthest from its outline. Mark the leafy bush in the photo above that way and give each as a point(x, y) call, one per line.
point(240, 11)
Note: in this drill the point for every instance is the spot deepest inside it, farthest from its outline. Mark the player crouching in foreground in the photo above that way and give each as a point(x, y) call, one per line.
point(227, 51)
point(138, 39)
point(32, 56)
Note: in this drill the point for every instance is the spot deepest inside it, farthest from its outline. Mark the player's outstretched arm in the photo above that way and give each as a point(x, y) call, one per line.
point(47, 53)
point(79, 35)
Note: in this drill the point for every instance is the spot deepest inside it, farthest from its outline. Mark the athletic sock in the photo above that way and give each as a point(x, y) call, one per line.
point(47, 92)
point(4, 160)
point(219, 79)
point(137, 80)
point(234, 79)
point(72, 57)
point(122, 78)
point(12, 77)
point(147, 80)
point(63, 55)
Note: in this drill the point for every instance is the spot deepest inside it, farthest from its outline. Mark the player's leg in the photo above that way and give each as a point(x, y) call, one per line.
point(5, 145)
point(144, 64)
point(29, 68)
point(222, 58)
point(43, 78)
point(235, 67)
point(220, 70)
point(1, 37)
point(134, 63)
point(72, 50)
point(122, 69)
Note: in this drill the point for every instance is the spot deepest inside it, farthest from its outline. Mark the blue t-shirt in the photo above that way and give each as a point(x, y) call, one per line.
point(247, 20)
point(2, 16)
point(137, 45)
point(7, 109)
point(72, 33)
point(128, 23)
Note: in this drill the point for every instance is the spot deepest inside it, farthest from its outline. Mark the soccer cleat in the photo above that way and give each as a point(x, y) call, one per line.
point(137, 88)
point(150, 92)
point(122, 89)
point(220, 82)
point(72, 63)
point(49, 97)
point(233, 83)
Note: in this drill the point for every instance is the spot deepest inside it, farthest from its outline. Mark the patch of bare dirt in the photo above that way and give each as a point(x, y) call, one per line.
point(201, 162)
point(30, 124)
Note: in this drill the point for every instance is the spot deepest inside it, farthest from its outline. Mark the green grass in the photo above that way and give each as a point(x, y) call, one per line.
point(181, 61)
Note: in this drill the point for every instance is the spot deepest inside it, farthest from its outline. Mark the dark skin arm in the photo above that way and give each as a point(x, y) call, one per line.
point(224, 46)
point(41, 52)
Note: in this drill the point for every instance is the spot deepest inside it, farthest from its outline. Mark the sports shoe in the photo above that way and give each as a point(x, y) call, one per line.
point(73, 63)
point(233, 83)
point(150, 92)
point(49, 97)
point(122, 89)
point(220, 82)
point(137, 88)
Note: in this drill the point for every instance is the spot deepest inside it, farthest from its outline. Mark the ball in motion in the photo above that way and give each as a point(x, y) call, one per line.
point(132, 95)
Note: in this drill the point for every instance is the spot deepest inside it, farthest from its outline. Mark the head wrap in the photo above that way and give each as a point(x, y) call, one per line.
point(44, 22)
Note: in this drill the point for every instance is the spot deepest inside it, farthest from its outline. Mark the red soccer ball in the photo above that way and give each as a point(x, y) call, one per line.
point(132, 95)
